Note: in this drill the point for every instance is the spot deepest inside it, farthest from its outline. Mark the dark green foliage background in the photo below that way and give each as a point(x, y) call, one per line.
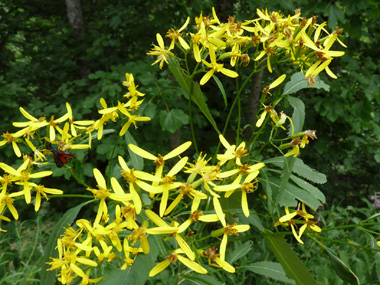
point(44, 64)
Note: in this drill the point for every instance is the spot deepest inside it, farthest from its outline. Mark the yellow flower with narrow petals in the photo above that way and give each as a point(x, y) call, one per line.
point(160, 51)
point(215, 67)
point(173, 257)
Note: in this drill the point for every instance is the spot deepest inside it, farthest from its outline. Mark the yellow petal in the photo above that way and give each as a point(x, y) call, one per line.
point(185, 247)
point(229, 73)
point(99, 178)
point(206, 77)
point(278, 81)
point(261, 120)
point(141, 152)
point(223, 246)
point(161, 230)
point(225, 265)
point(192, 265)
point(178, 150)
point(178, 167)
point(287, 217)
point(244, 204)
point(219, 211)
point(159, 267)
point(155, 218)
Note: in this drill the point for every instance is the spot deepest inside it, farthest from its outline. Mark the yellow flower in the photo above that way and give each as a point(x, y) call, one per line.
point(132, 88)
point(38, 155)
point(140, 234)
point(4, 219)
point(132, 120)
point(215, 67)
point(230, 230)
point(13, 138)
point(213, 256)
point(7, 201)
point(274, 84)
point(163, 226)
point(23, 176)
point(76, 124)
point(232, 152)
point(53, 125)
point(160, 51)
point(159, 160)
point(176, 35)
point(246, 187)
point(42, 190)
point(287, 219)
point(127, 250)
point(34, 123)
point(187, 190)
point(197, 216)
point(173, 257)
point(103, 193)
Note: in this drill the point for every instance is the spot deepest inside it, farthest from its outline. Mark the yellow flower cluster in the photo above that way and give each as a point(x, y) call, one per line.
point(92, 243)
point(294, 39)
point(39, 134)
point(305, 219)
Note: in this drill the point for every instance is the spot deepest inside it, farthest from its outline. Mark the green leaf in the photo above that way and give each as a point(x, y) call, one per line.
point(289, 261)
point(285, 175)
point(199, 279)
point(252, 219)
point(298, 117)
point(138, 273)
point(309, 188)
point(240, 251)
point(292, 193)
point(136, 160)
point(173, 120)
point(343, 271)
point(196, 95)
point(221, 88)
point(377, 157)
point(301, 169)
point(48, 277)
point(269, 269)
point(308, 173)
point(298, 82)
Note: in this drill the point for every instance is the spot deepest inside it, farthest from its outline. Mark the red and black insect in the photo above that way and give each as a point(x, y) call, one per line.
point(60, 157)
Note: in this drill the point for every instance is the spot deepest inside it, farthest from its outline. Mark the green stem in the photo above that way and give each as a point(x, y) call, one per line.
point(343, 242)
point(81, 182)
point(191, 115)
point(110, 162)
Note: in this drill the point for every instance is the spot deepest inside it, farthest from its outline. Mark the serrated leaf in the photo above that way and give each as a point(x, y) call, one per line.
point(308, 173)
point(286, 172)
point(192, 89)
point(173, 120)
point(240, 251)
point(292, 194)
point(309, 188)
point(301, 169)
point(267, 189)
point(221, 88)
point(136, 160)
point(252, 219)
point(298, 117)
point(298, 82)
point(48, 277)
point(199, 279)
point(269, 269)
point(343, 271)
point(289, 260)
